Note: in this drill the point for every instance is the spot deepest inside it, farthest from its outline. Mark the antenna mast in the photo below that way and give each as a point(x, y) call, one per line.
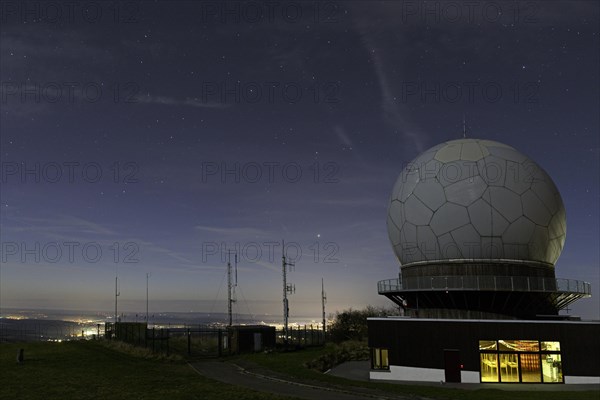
point(117, 294)
point(464, 126)
point(323, 301)
point(147, 276)
point(287, 289)
point(230, 299)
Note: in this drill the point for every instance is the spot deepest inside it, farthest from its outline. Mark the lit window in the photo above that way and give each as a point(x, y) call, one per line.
point(552, 368)
point(519, 345)
point(520, 361)
point(550, 346)
point(379, 359)
point(488, 345)
point(530, 368)
point(489, 367)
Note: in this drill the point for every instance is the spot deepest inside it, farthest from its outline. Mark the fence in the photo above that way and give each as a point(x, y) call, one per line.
point(34, 330)
point(201, 343)
point(496, 283)
point(210, 342)
point(299, 336)
point(138, 334)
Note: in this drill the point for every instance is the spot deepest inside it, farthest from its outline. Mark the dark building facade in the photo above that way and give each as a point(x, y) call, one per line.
point(251, 338)
point(508, 351)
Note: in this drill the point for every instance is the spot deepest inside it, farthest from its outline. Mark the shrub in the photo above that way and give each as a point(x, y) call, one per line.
point(352, 324)
point(339, 353)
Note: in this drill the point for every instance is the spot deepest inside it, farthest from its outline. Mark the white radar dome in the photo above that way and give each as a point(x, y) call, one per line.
point(472, 199)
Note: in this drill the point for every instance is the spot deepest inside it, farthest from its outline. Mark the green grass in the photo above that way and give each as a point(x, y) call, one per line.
point(293, 365)
point(97, 370)
point(92, 370)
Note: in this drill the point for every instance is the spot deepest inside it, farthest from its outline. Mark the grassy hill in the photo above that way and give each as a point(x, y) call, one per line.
point(93, 370)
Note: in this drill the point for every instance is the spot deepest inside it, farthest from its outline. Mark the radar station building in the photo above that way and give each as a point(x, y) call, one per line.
point(477, 228)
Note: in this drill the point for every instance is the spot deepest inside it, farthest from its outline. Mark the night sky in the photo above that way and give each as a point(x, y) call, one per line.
point(165, 133)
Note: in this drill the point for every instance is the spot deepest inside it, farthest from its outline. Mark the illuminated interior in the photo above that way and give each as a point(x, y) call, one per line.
point(528, 361)
point(379, 359)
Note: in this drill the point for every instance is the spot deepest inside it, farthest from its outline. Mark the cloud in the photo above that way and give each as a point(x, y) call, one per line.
point(343, 136)
point(188, 102)
point(268, 266)
point(62, 223)
point(67, 228)
point(393, 113)
point(239, 232)
point(153, 247)
point(351, 202)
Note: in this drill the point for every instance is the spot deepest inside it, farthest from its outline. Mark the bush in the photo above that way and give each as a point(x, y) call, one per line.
point(339, 353)
point(352, 324)
point(139, 352)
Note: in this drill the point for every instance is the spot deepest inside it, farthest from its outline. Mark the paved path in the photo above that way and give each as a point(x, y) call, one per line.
point(252, 376)
point(237, 375)
point(355, 370)
point(359, 371)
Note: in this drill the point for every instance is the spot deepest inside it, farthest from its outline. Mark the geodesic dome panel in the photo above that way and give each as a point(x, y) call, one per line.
point(475, 200)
